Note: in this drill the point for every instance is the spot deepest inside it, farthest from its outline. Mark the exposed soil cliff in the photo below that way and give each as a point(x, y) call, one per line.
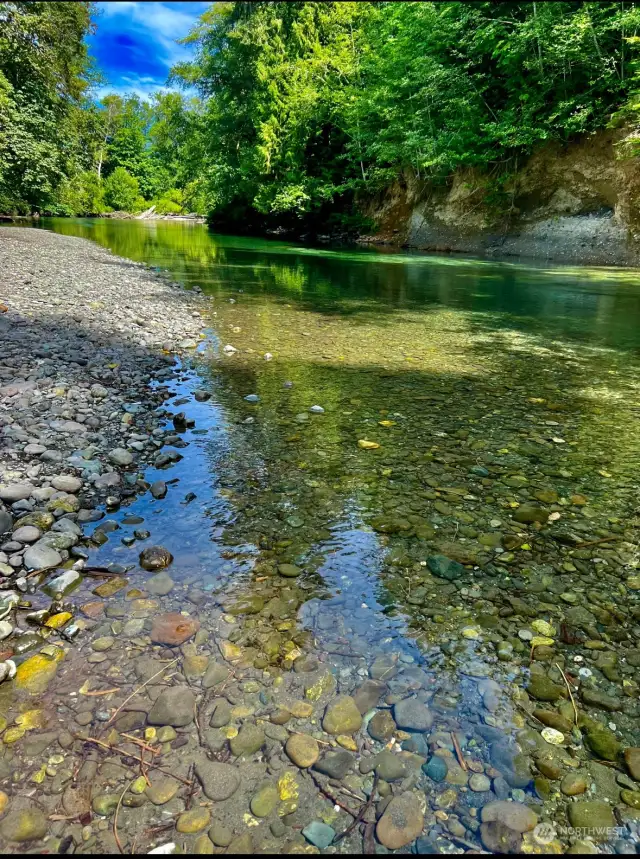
point(578, 202)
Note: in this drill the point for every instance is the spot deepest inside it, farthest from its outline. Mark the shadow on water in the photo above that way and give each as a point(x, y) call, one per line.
point(486, 389)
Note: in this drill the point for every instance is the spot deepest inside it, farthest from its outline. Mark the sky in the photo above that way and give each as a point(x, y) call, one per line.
point(135, 43)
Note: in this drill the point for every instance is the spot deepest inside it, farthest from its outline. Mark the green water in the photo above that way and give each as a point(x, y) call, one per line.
point(484, 390)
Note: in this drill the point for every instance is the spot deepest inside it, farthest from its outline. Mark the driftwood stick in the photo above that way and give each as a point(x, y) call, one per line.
point(564, 677)
point(361, 813)
point(131, 755)
point(115, 817)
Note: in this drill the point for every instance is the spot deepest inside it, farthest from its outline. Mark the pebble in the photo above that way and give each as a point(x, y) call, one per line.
point(219, 780)
point(335, 764)
point(23, 825)
point(412, 715)
point(120, 456)
point(479, 782)
point(155, 558)
point(249, 740)
point(513, 815)
point(303, 750)
point(436, 768)
point(162, 789)
point(66, 483)
point(173, 629)
point(319, 834)
point(194, 820)
point(342, 716)
point(39, 556)
point(264, 801)
point(26, 534)
point(158, 489)
point(595, 816)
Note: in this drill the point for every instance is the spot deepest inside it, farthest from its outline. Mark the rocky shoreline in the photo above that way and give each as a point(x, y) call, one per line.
point(83, 335)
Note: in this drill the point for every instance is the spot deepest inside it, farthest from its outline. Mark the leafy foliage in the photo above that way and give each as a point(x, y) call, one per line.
point(305, 106)
point(44, 72)
point(122, 191)
point(308, 104)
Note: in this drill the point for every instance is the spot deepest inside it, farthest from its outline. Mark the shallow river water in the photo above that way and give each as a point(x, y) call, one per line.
point(434, 574)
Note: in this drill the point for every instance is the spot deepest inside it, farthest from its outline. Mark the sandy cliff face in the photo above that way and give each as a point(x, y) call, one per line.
point(578, 202)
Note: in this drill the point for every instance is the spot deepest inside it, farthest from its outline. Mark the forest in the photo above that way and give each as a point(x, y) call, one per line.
point(291, 114)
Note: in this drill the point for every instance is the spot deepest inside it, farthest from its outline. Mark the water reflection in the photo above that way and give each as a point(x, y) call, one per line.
point(588, 305)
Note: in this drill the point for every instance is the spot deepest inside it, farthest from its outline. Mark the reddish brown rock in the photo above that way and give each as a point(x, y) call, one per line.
point(173, 628)
point(93, 609)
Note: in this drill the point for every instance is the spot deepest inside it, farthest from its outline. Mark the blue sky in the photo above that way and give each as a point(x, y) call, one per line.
point(135, 43)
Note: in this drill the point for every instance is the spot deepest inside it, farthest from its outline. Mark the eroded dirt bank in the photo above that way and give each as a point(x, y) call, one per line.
point(573, 203)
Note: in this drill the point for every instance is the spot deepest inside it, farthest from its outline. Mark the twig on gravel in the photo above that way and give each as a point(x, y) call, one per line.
point(456, 746)
point(368, 840)
point(140, 688)
point(115, 816)
point(463, 842)
point(301, 734)
point(192, 788)
point(329, 795)
point(361, 813)
point(596, 542)
point(131, 755)
point(564, 677)
point(142, 745)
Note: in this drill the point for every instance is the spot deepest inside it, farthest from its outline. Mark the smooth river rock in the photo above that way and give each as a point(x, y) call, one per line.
point(174, 706)
point(401, 822)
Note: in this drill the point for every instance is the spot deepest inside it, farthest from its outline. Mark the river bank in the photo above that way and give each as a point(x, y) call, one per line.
point(388, 552)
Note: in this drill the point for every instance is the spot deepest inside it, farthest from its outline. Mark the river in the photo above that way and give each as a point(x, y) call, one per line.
point(433, 485)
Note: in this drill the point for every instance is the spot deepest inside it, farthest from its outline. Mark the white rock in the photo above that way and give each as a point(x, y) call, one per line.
point(316, 410)
point(16, 492)
point(66, 483)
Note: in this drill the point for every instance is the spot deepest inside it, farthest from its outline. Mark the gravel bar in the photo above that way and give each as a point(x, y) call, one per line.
point(84, 335)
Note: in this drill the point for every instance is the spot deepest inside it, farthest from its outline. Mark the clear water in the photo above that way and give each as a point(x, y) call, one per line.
point(487, 386)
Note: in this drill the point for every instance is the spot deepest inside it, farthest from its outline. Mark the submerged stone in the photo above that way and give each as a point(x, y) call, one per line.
point(155, 558)
point(173, 629)
point(444, 567)
point(342, 716)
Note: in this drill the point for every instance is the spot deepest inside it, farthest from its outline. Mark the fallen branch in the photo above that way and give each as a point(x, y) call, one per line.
point(131, 755)
point(361, 813)
point(329, 795)
point(142, 745)
point(596, 542)
point(115, 817)
point(101, 692)
point(456, 746)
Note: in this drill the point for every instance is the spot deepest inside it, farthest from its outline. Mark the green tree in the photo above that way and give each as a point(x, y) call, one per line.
point(122, 191)
point(273, 75)
point(44, 71)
